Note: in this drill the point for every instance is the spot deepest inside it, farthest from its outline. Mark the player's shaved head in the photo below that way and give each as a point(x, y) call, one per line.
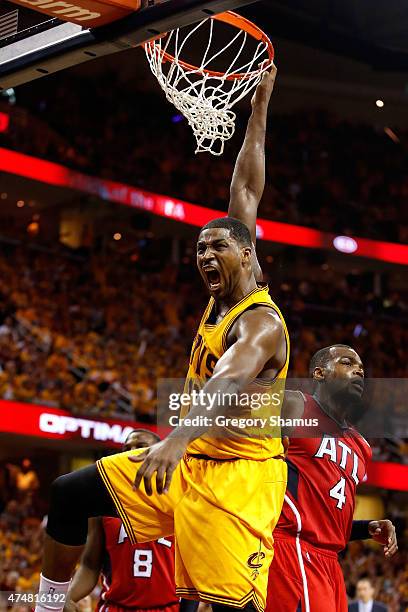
point(140, 438)
point(321, 358)
point(237, 229)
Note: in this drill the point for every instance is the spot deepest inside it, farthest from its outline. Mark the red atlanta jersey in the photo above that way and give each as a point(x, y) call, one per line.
point(136, 576)
point(323, 473)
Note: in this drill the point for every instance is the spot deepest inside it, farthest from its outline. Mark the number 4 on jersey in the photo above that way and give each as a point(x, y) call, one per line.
point(338, 492)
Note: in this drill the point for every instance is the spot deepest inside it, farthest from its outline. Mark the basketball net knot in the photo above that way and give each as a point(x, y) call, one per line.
point(211, 126)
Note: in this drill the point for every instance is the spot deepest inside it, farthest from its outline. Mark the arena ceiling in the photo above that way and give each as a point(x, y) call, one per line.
point(373, 32)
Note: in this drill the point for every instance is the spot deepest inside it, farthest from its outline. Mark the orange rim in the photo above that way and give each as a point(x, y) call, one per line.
point(239, 22)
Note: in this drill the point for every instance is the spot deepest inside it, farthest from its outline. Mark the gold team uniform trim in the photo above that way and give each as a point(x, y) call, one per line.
point(194, 594)
point(119, 507)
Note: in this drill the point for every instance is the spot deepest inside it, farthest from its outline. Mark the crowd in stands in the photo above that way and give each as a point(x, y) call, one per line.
point(21, 533)
point(94, 336)
point(389, 577)
point(322, 171)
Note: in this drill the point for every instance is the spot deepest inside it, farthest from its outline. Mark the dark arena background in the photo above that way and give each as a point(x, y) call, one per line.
point(101, 199)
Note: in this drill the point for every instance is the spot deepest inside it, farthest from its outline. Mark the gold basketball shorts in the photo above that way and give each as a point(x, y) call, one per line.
point(222, 513)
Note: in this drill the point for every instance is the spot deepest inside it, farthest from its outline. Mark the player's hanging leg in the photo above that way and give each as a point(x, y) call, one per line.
point(75, 497)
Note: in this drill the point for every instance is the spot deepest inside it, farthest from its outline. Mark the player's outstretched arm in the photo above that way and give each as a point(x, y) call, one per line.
point(87, 575)
point(257, 339)
point(248, 180)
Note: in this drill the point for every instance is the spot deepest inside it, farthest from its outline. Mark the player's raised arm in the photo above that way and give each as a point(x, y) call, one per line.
point(87, 575)
point(248, 180)
point(257, 339)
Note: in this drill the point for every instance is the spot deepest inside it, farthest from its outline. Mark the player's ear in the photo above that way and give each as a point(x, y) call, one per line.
point(318, 374)
point(246, 254)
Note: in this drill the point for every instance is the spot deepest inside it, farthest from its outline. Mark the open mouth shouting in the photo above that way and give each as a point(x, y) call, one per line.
point(213, 278)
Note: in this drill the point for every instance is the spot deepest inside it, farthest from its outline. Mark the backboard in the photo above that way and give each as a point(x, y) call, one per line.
point(33, 44)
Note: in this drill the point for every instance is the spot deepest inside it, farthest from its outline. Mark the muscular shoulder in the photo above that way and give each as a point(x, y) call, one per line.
point(260, 323)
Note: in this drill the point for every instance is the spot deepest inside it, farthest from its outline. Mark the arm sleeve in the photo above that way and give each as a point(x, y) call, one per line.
point(359, 531)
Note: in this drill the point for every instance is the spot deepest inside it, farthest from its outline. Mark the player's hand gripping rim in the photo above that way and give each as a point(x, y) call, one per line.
point(160, 459)
point(384, 533)
point(265, 87)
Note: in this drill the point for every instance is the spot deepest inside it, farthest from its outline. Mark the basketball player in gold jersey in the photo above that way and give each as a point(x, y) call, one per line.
point(218, 480)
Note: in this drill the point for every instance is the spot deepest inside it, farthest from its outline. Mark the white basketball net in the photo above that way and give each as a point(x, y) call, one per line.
point(206, 100)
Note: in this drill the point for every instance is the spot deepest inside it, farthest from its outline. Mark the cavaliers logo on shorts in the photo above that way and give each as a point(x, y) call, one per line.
point(255, 562)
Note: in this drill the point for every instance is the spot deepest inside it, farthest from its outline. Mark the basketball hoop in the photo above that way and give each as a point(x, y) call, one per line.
point(203, 94)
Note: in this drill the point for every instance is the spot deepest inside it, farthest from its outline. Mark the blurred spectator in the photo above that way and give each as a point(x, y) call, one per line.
point(365, 598)
point(23, 477)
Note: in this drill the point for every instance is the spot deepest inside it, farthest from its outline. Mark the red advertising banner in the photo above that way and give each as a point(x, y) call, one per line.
point(87, 13)
point(392, 476)
point(4, 122)
point(54, 424)
point(192, 214)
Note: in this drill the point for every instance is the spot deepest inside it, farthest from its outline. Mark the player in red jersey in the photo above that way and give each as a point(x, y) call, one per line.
point(134, 577)
point(327, 459)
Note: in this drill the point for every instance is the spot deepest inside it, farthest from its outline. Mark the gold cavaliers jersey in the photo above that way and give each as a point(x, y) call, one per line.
point(254, 433)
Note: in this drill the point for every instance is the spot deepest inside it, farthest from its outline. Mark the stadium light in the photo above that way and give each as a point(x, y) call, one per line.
point(345, 244)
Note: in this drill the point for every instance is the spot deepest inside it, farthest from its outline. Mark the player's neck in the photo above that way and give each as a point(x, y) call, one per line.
point(239, 293)
point(330, 406)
